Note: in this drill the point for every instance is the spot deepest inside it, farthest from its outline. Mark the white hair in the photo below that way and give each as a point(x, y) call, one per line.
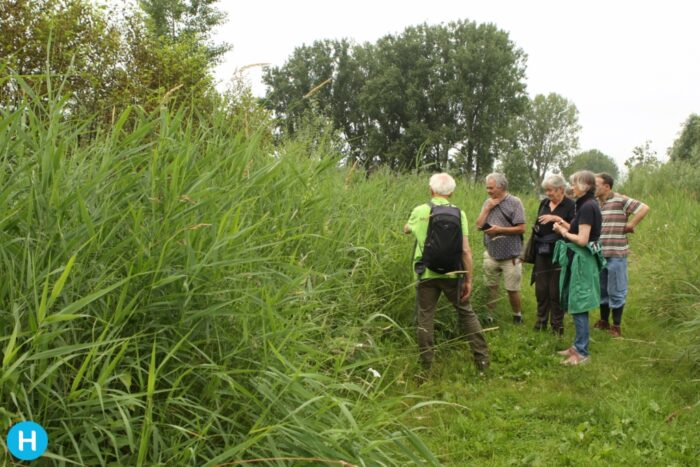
point(442, 184)
point(500, 179)
point(555, 181)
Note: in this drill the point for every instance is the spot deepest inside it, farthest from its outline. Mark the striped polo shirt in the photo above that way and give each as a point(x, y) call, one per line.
point(616, 210)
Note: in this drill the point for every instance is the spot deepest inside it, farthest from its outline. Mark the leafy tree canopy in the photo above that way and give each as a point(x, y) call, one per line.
point(189, 19)
point(104, 58)
point(593, 160)
point(439, 96)
point(643, 158)
point(687, 146)
point(544, 139)
point(70, 41)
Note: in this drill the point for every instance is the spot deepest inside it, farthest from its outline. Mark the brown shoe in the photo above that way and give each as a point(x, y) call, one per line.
point(600, 324)
point(615, 331)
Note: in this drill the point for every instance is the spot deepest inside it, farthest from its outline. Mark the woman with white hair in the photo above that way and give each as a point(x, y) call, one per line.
point(556, 207)
point(579, 256)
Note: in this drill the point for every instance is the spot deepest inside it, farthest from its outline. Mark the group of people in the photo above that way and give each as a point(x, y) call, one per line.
point(580, 260)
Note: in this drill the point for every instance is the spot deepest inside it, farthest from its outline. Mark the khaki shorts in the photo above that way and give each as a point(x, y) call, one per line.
point(512, 273)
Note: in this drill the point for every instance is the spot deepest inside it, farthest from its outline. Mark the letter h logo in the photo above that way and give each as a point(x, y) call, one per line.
point(27, 440)
point(22, 440)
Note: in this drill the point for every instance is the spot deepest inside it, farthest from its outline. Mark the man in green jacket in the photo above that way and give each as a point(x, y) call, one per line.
point(457, 285)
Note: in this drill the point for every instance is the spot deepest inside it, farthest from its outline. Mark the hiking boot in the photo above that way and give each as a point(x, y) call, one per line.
point(600, 324)
point(615, 331)
point(576, 359)
point(568, 352)
point(518, 319)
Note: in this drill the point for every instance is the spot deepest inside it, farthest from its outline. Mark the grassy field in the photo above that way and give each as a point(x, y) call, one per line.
point(176, 291)
point(635, 404)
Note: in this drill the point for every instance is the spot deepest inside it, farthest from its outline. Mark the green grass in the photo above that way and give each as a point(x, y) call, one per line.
point(635, 404)
point(176, 291)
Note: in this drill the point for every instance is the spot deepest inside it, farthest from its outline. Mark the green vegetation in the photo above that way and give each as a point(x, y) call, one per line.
point(687, 145)
point(178, 294)
point(107, 56)
point(434, 95)
point(180, 287)
point(595, 161)
point(546, 137)
point(174, 294)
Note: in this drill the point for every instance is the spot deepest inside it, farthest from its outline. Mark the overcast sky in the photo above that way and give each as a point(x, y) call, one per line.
point(631, 68)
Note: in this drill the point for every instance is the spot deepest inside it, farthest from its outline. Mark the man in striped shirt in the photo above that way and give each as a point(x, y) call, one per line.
point(621, 215)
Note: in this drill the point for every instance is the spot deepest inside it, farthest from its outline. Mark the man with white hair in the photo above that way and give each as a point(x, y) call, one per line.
point(502, 219)
point(453, 280)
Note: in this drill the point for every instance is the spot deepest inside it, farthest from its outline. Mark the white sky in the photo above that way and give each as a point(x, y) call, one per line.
point(631, 68)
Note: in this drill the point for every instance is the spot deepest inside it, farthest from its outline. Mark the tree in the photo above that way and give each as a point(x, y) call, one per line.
point(68, 43)
point(310, 78)
point(517, 171)
point(487, 91)
point(154, 66)
point(191, 20)
point(406, 101)
point(687, 146)
point(435, 96)
point(547, 135)
point(592, 160)
point(99, 60)
point(169, 48)
point(643, 157)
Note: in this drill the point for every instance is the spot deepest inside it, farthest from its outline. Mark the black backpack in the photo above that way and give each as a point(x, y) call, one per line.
point(442, 251)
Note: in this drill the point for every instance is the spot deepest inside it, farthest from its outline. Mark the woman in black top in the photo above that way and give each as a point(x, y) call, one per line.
point(583, 229)
point(553, 209)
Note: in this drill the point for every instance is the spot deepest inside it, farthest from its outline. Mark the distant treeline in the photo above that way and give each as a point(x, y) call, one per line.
point(433, 97)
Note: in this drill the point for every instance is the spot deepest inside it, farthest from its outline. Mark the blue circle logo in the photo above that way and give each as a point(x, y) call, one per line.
point(27, 440)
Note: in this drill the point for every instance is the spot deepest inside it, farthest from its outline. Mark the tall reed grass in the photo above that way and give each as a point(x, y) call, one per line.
point(666, 259)
point(176, 292)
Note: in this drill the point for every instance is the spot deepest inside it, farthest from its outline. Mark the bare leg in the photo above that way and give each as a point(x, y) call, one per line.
point(514, 298)
point(491, 305)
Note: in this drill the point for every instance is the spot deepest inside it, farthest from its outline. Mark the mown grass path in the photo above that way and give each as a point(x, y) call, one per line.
point(637, 403)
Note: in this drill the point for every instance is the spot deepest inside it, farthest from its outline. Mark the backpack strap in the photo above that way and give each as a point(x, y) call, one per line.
point(509, 219)
point(415, 242)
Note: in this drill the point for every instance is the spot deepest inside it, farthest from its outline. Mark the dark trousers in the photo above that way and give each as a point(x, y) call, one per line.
point(427, 295)
point(547, 293)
